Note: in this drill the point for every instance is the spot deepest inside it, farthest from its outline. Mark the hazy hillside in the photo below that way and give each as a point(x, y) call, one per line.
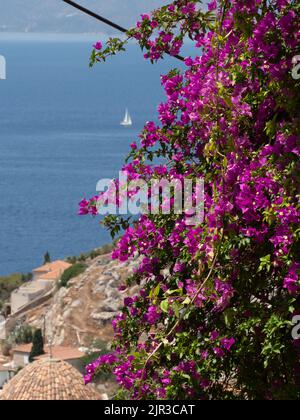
point(56, 16)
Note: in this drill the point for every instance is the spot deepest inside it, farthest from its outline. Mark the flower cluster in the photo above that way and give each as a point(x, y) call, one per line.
point(217, 299)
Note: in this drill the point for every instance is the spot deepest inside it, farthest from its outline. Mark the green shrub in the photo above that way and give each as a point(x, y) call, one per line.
point(37, 345)
point(71, 273)
point(23, 334)
point(8, 284)
point(71, 260)
point(103, 250)
point(26, 277)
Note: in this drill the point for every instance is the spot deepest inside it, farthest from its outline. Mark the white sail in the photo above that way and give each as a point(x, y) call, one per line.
point(127, 120)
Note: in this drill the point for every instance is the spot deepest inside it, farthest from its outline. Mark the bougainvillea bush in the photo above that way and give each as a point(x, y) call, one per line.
point(213, 319)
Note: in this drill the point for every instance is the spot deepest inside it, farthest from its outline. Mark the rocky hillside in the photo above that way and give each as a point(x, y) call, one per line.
point(81, 315)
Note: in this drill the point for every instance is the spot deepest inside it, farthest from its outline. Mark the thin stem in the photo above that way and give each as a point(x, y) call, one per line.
point(173, 329)
point(107, 21)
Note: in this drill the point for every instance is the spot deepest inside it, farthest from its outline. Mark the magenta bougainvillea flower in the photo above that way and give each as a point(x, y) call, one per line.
point(217, 298)
point(98, 46)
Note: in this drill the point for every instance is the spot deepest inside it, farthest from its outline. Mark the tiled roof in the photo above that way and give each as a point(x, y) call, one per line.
point(58, 352)
point(48, 380)
point(55, 265)
point(52, 275)
point(63, 353)
point(23, 348)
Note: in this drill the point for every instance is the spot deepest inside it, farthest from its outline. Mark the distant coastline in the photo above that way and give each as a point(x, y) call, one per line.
point(52, 36)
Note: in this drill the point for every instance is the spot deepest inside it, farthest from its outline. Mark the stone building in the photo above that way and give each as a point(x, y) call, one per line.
point(6, 373)
point(44, 279)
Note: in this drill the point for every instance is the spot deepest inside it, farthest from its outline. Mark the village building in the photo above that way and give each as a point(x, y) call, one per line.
point(44, 279)
point(6, 373)
point(50, 271)
point(66, 354)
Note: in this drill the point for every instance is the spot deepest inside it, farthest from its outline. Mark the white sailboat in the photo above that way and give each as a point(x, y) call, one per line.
point(127, 119)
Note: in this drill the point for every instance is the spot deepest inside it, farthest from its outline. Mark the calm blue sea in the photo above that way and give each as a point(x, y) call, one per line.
point(59, 134)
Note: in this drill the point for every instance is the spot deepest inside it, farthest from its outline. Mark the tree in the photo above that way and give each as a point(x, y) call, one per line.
point(23, 334)
point(47, 258)
point(218, 299)
point(37, 345)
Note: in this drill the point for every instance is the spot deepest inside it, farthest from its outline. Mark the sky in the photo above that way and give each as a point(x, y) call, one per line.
point(56, 17)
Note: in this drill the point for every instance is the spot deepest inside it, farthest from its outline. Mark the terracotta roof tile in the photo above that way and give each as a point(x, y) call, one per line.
point(52, 275)
point(63, 353)
point(48, 380)
point(55, 265)
point(23, 348)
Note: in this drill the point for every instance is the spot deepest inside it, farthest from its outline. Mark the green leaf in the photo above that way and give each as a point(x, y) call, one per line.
point(229, 316)
point(265, 263)
point(155, 292)
point(176, 308)
point(165, 306)
point(173, 292)
point(187, 301)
